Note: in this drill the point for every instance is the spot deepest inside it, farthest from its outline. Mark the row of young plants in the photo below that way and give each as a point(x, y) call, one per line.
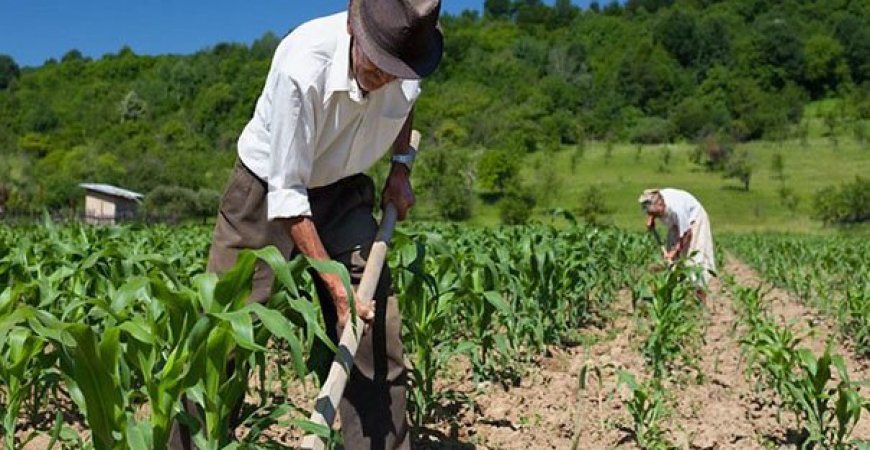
point(501, 297)
point(816, 389)
point(672, 321)
point(670, 318)
point(114, 325)
point(829, 273)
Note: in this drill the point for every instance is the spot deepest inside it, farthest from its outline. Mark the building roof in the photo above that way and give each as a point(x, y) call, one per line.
point(108, 189)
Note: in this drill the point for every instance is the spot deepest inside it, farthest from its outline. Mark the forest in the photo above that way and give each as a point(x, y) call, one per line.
point(519, 77)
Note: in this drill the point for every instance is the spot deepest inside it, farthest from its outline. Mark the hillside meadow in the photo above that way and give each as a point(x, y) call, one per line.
point(559, 179)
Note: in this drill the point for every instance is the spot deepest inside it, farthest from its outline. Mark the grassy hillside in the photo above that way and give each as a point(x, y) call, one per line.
point(808, 166)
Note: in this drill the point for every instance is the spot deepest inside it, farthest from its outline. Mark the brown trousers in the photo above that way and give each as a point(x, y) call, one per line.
point(373, 410)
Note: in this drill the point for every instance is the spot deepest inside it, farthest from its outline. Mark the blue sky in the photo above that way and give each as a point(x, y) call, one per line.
point(32, 31)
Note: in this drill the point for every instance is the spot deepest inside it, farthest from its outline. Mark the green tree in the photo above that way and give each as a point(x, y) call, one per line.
point(497, 9)
point(531, 12)
point(780, 52)
point(132, 107)
point(264, 47)
point(563, 13)
point(515, 208)
point(825, 66)
point(9, 71)
point(678, 33)
point(853, 32)
point(739, 166)
point(496, 170)
point(442, 178)
point(647, 78)
point(846, 204)
point(651, 130)
point(593, 209)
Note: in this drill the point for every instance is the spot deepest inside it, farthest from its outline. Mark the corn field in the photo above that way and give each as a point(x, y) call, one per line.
point(106, 329)
point(830, 274)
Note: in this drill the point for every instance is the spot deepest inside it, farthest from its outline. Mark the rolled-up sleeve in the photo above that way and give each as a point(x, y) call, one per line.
point(292, 152)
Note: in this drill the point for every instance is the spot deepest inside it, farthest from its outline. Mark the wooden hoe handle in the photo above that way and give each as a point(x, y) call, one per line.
point(326, 406)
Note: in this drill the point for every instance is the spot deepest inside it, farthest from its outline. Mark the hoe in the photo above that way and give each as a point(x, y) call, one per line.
point(332, 390)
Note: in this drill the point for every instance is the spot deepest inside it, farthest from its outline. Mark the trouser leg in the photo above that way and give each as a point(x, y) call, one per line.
point(373, 409)
point(241, 223)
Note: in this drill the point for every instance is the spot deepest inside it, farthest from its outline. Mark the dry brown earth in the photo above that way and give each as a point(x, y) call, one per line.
point(547, 409)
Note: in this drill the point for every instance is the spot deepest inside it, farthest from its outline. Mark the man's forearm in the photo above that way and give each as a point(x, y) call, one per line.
point(684, 241)
point(305, 237)
point(403, 139)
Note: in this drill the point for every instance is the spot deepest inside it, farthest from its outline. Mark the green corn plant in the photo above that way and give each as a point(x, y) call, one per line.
point(829, 413)
point(827, 407)
point(773, 350)
point(751, 306)
point(647, 408)
point(508, 293)
point(90, 368)
point(826, 272)
point(854, 316)
point(18, 351)
point(425, 301)
point(672, 311)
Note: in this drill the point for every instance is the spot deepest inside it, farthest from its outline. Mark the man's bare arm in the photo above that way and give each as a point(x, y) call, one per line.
point(307, 240)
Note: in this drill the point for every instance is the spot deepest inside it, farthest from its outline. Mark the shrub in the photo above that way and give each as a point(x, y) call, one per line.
point(175, 203)
point(651, 130)
point(847, 204)
point(592, 207)
point(443, 177)
point(739, 166)
point(712, 152)
point(496, 169)
point(516, 207)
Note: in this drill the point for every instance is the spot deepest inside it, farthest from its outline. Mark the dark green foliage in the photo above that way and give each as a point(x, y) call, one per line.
point(175, 203)
point(651, 130)
point(444, 176)
point(592, 207)
point(678, 33)
point(497, 9)
point(9, 71)
point(497, 169)
point(853, 32)
point(739, 166)
point(780, 52)
point(524, 76)
point(848, 203)
point(515, 208)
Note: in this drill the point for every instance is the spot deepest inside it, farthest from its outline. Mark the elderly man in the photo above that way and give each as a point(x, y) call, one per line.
point(340, 91)
point(687, 224)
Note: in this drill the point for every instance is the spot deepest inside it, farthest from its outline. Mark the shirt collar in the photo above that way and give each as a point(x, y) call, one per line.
point(340, 78)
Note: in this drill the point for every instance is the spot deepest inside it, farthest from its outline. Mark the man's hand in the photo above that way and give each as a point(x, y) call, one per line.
point(398, 190)
point(364, 309)
point(304, 235)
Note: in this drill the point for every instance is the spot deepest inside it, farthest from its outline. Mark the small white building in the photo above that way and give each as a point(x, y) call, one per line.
point(107, 205)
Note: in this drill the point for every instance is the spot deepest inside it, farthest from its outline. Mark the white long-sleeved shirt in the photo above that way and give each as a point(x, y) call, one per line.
point(312, 125)
point(682, 208)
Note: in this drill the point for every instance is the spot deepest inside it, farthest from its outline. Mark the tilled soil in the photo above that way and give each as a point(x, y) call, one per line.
point(713, 407)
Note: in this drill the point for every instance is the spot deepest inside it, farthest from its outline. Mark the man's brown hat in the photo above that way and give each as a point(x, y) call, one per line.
point(401, 37)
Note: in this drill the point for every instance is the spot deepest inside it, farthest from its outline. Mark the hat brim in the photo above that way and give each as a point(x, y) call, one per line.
point(422, 66)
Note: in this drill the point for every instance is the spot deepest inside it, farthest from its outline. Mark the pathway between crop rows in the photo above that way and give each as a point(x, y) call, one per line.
point(548, 410)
